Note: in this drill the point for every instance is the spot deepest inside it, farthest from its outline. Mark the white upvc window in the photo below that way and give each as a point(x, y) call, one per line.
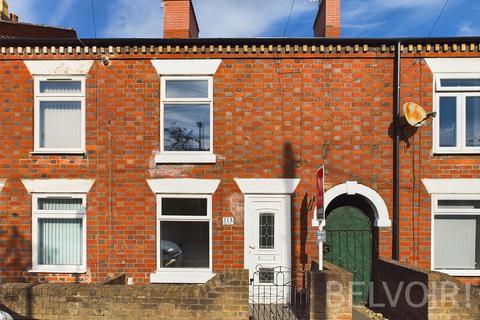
point(59, 233)
point(457, 103)
point(186, 119)
point(456, 234)
point(59, 114)
point(184, 247)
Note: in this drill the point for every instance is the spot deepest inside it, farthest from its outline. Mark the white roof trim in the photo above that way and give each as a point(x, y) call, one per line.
point(267, 186)
point(382, 218)
point(58, 67)
point(2, 183)
point(186, 66)
point(452, 186)
point(456, 65)
point(58, 185)
point(192, 186)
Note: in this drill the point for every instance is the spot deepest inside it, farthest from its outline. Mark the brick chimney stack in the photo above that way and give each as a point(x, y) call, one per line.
point(179, 20)
point(327, 22)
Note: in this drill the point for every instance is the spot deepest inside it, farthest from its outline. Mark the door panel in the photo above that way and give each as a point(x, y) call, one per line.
point(267, 245)
point(349, 246)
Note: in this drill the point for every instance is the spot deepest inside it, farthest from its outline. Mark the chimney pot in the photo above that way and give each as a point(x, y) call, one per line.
point(13, 17)
point(179, 19)
point(327, 21)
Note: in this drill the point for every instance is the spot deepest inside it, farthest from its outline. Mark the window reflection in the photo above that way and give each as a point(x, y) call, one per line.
point(187, 127)
point(473, 121)
point(448, 121)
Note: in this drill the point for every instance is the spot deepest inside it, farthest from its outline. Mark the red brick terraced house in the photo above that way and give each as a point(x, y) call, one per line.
point(175, 159)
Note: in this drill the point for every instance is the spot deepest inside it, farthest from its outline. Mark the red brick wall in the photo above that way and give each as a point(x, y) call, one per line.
point(271, 119)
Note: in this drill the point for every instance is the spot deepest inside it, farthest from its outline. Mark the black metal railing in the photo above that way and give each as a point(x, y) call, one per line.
point(278, 293)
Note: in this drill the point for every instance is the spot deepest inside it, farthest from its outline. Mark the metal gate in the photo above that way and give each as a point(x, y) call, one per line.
point(278, 294)
point(349, 246)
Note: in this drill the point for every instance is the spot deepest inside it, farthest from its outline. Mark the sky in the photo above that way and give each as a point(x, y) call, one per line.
point(255, 18)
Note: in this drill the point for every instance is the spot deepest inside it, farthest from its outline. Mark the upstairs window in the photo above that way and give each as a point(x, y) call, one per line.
point(457, 126)
point(59, 114)
point(186, 116)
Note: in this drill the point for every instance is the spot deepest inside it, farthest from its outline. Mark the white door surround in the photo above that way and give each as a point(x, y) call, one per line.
point(382, 219)
point(267, 247)
point(267, 228)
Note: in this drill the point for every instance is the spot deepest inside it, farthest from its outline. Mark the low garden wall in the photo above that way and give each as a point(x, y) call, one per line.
point(403, 292)
point(223, 297)
point(330, 293)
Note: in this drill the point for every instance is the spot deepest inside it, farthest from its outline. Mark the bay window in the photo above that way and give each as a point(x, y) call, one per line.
point(59, 114)
point(59, 233)
point(457, 126)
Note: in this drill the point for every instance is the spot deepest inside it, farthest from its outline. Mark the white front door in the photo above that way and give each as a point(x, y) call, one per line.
point(267, 246)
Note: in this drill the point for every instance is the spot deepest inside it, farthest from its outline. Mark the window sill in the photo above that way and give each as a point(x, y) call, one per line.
point(181, 276)
point(59, 152)
point(456, 152)
point(52, 269)
point(460, 273)
point(186, 158)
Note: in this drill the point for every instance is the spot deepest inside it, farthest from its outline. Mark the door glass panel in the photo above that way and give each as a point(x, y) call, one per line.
point(265, 275)
point(448, 121)
point(473, 121)
point(266, 230)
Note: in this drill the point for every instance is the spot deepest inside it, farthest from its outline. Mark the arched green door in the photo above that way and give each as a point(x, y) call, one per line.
point(349, 246)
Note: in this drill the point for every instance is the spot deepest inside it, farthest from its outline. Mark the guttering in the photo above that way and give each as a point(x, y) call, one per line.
point(233, 41)
point(396, 153)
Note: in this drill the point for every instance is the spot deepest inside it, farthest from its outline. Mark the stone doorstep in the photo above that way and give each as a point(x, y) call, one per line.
point(363, 313)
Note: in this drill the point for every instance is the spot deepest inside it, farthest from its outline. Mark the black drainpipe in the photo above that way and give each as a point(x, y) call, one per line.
point(396, 155)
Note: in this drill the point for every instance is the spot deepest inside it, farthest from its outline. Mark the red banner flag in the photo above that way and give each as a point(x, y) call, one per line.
point(320, 182)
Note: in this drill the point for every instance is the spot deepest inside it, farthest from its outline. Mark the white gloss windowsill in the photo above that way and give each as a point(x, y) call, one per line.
point(459, 272)
point(55, 270)
point(181, 276)
point(186, 158)
point(58, 152)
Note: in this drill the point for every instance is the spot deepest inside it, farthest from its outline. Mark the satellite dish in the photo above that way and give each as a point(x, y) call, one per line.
point(415, 114)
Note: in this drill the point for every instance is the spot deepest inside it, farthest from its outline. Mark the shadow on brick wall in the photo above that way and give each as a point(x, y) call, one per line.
point(16, 261)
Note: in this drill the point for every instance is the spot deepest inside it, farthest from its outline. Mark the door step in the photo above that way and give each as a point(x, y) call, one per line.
point(363, 313)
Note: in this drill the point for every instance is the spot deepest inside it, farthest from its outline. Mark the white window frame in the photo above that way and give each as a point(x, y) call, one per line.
point(436, 211)
point(185, 156)
point(58, 214)
point(183, 275)
point(440, 76)
point(75, 97)
point(461, 93)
